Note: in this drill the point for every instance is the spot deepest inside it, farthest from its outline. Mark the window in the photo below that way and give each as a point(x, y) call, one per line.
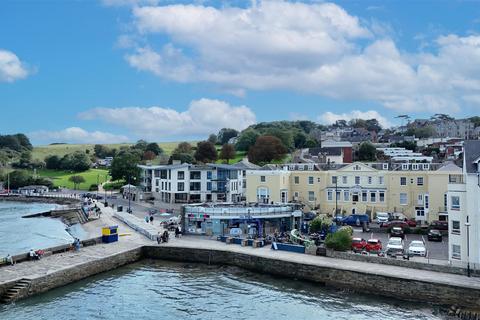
point(364, 196)
point(420, 199)
point(456, 253)
point(355, 197)
point(195, 175)
point(181, 186)
point(262, 179)
point(356, 167)
point(311, 196)
point(181, 175)
point(296, 179)
point(338, 195)
point(414, 166)
point(455, 203)
point(334, 179)
point(419, 181)
point(209, 175)
point(385, 166)
point(405, 166)
point(381, 196)
point(209, 186)
point(403, 181)
point(357, 180)
point(329, 195)
point(310, 180)
point(427, 202)
point(380, 180)
point(295, 194)
point(346, 195)
point(318, 180)
point(426, 166)
point(370, 179)
point(403, 199)
point(163, 174)
point(344, 179)
point(373, 197)
point(194, 186)
point(455, 227)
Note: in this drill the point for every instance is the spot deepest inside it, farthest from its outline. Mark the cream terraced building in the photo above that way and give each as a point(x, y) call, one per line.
point(418, 190)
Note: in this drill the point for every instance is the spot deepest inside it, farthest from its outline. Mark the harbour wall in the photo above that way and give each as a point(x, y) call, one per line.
point(355, 281)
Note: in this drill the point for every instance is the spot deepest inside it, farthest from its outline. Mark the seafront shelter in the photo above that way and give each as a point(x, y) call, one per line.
point(248, 220)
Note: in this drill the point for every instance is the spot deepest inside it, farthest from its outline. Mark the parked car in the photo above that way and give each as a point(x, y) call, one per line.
point(397, 232)
point(356, 220)
point(434, 235)
point(411, 223)
point(373, 246)
point(382, 217)
point(439, 225)
point(394, 246)
point(358, 244)
point(417, 248)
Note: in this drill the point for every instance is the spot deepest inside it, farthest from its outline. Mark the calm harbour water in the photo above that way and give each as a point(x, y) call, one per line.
point(18, 235)
point(166, 290)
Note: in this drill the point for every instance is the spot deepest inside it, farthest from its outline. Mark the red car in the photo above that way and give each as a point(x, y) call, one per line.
point(358, 244)
point(395, 223)
point(373, 245)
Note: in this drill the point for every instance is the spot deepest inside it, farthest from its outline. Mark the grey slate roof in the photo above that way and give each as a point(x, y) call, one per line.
point(471, 153)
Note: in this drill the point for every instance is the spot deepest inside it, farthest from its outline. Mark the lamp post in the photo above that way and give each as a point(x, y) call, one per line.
point(105, 190)
point(467, 224)
point(129, 180)
point(98, 182)
point(336, 197)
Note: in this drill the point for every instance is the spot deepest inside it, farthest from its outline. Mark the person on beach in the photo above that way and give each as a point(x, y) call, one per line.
point(151, 219)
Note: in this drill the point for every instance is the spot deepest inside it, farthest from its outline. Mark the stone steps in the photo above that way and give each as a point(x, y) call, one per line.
point(17, 291)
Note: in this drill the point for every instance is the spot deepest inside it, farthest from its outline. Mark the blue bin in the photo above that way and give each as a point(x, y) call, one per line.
point(110, 238)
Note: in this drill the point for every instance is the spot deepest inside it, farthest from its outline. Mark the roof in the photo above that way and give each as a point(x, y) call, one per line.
point(127, 186)
point(335, 144)
point(246, 165)
point(471, 154)
point(450, 167)
point(33, 187)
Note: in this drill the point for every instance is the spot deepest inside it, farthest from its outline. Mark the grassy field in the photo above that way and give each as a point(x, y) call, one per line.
point(40, 152)
point(60, 178)
point(239, 155)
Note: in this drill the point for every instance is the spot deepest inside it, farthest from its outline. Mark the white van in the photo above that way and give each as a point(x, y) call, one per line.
point(382, 217)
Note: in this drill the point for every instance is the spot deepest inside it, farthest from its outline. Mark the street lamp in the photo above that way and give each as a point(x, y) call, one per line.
point(129, 194)
point(467, 224)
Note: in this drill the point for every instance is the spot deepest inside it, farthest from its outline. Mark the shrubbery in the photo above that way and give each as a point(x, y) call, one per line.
point(339, 241)
point(113, 185)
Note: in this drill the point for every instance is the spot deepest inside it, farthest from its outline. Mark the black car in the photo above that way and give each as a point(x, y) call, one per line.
point(397, 232)
point(434, 235)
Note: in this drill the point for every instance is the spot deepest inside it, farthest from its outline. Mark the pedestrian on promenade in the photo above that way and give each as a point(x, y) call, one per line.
point(159, 237)
point(9, 259)
point(146, 219)
point(33, 255)
point(151, 219)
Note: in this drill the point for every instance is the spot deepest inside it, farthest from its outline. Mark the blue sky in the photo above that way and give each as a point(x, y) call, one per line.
point(120, 70)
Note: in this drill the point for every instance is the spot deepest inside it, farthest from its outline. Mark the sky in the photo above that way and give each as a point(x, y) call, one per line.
point(108, 71)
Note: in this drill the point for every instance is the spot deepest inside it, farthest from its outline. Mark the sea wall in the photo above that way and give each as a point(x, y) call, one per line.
point(364, 282)
point(400, 262)
point(87, 269)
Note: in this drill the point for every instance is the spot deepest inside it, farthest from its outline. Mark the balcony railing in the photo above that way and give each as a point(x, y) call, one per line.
point(456, 178)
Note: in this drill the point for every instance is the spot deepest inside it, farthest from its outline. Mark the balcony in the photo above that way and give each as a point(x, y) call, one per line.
point(456, 179)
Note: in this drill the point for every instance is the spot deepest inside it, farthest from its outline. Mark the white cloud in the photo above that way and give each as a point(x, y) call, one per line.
point(202, 117)
point(11, 68)
point(308, 47)
point(77, 135)
point(330, 117)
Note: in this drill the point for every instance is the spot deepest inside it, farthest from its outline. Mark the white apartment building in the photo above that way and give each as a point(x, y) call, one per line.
point(463, 200)
point(187, 183)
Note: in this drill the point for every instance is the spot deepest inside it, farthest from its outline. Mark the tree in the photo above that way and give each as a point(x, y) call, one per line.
point(286, 136)
point(367, 152)
point(206, 152)
point(266, 149)
point(140, 145)
point(124, 166)
point(154, 147)
point(300, 139)
point(213, 138)
point(52, 162)
point(183, 147)
point(422, 132)
point(246, 139)
point(19, 178)
point(225, 134)
point(148, 155)
point(182, 157)
point(76, 180)
point(101, 151)
point(227, 152)
point(76, 161)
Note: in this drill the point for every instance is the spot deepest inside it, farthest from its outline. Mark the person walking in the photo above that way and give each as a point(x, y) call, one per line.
point(151, 219)
point(9, 260)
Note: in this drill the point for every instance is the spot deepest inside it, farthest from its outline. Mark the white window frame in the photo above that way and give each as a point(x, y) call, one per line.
point(346, 195)
point(311, 180)
point(403, 179)
point(329, 195)
point(369, 180)
point(455, 205)
point(420, 181)
point(456, 254)
point(381, 196)
point(357, 180)
point(344, 179)
point(381, 180)
point(405, 198)
point(374, 198)
point(311, 196)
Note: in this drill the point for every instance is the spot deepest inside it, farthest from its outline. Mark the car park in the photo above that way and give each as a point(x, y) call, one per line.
point(373, 246)
point(439, 225)
point(394, 246)
point(417, 248)
point(397, 232)
point(434, 235)
point(358, 244)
